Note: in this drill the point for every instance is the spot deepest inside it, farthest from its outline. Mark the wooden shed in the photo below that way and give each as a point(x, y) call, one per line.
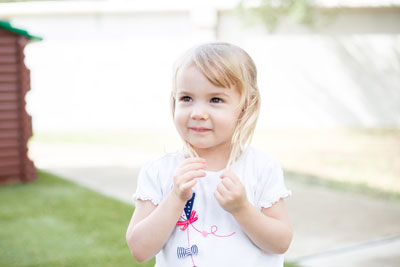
point(15, 123)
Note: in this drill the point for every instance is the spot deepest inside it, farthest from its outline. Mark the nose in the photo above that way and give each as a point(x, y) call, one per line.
point(199, 112)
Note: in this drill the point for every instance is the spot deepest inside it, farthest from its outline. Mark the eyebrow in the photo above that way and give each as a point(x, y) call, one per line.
point(210, 94)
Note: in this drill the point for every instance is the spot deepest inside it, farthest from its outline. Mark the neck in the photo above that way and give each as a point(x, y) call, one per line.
point(216, 159)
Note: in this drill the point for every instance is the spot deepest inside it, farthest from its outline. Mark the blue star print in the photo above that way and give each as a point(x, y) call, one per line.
point(189, 206)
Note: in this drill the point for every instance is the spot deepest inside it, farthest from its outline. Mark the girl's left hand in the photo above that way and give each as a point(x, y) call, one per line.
point(230, 193)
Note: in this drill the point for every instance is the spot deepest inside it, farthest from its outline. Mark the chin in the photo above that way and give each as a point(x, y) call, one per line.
point(199, 145)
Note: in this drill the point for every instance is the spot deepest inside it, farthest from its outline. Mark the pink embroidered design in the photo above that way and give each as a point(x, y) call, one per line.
point(192, 217)
point(204, 233)
point(186, 223)
point(213, 230)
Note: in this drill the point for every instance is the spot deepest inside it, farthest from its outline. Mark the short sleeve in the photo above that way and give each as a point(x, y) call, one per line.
point(272, 187)
point(148, 185)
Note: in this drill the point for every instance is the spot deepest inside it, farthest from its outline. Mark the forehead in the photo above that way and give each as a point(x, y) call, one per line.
point(191, 79)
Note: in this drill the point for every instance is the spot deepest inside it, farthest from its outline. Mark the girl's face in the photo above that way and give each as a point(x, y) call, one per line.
point(205, 115)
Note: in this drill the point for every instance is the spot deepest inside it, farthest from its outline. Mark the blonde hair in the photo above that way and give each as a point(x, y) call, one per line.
point(227, 66)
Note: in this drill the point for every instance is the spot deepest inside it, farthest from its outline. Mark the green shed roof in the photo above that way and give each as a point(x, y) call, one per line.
point(7, 25)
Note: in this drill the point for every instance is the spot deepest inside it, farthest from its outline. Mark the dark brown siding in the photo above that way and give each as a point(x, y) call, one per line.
point(15, 123)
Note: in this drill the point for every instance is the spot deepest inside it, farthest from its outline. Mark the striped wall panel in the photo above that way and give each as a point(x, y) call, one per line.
point(15, 123)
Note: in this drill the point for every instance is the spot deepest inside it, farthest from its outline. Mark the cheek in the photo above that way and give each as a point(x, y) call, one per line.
point(227, 120)
point(179, 117)
point(232, 123)
point(228, 124)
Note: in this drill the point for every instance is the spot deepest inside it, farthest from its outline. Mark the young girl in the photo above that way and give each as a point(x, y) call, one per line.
point(218, 202)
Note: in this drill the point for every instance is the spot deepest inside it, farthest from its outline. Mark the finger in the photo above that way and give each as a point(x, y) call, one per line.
point(192, 167)
point(192, 160)
point(226, 173)
point(188, 185)
point(228, 183)
point(192, 174)
point(222, 190)
point(218, 196)
point(231, 175)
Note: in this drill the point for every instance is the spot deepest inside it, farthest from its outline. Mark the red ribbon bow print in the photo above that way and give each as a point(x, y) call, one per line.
point(186, 223)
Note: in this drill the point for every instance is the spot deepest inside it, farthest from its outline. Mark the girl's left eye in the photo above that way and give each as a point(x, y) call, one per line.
point(216, 100)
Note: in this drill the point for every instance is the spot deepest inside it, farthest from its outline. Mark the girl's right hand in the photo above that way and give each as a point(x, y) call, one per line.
point(184, 177)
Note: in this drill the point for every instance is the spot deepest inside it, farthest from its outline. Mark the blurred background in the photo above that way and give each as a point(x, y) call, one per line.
point(328, 72)
point(325, 66)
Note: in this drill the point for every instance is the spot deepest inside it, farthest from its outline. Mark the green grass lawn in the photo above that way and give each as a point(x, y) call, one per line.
point(53, 222)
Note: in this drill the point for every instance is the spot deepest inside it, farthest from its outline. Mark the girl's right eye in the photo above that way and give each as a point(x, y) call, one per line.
point(186, 98)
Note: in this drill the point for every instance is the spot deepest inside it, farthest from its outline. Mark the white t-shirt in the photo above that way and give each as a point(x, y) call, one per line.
point(214, 238)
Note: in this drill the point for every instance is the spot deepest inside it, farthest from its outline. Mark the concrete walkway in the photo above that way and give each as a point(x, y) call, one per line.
point(331, 228)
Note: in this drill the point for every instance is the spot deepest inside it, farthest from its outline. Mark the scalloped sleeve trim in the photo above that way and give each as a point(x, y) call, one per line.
point(136, 197)
point(275, 198)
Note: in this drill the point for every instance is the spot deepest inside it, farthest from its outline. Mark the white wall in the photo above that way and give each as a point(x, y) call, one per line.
point(112, 70)
point(103, 72)
point(343, 72)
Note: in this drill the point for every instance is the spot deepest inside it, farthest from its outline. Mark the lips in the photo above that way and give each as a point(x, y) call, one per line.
point(199, 129)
